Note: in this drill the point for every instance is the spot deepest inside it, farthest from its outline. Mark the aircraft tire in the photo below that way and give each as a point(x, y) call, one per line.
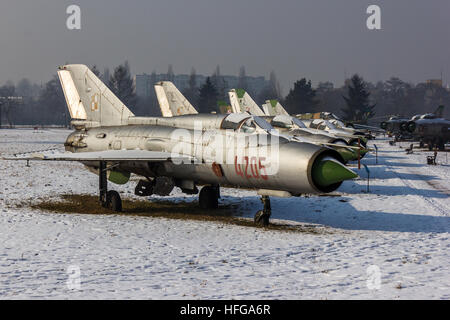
point(113, 201)
point(208, 198)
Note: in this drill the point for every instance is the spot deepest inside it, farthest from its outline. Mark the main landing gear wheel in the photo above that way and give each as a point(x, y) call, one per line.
point(108, 199)
point(209, 197)
point(262, 217)
point(113, 201)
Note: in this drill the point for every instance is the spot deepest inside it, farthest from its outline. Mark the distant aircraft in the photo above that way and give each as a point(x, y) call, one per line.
point(110, 141)
point(430, 129)
point(394, 126)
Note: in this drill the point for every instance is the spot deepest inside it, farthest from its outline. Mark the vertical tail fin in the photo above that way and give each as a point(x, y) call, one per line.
point(88, 98)
point(241, 102)
point(274, 108)
point(171, 101)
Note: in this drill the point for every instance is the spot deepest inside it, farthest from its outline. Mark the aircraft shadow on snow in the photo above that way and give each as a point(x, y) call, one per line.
point(385, 173)
point(332, 212)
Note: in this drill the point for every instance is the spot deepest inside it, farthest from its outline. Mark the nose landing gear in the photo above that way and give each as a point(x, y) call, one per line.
point(209, 197)
point(262, 217)
point(108, 199)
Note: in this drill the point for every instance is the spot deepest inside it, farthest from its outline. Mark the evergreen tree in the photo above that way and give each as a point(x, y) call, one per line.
point(53, 104)
point(191, 93)
point(25, 88)
point(207, 97)
point(106, 76)
point(358, 107)
point(95, 71)
point(396, 92)
point(302, 98)
point(121, 84)
point(330, 98)
point(219, 82)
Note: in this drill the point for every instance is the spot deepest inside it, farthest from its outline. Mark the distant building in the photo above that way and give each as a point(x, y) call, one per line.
point(144, 82)
point(325, 86)
point(435, 82)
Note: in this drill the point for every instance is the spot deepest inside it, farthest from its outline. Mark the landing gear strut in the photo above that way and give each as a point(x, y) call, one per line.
point(108, 199)
point(209, 197)
point(262, 216)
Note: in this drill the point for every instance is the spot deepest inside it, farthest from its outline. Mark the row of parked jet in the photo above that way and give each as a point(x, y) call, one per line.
point(263, 149)
point(429, 129)
point(318, 128)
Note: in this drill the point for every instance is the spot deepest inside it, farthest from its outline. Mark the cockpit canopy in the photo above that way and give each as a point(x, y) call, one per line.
point(245, 123)
point(288, 122)
point(338, 123)
point(322, 125)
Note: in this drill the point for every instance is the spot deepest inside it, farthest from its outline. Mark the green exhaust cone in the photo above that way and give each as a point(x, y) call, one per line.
point(330, 171)
point(347, 154)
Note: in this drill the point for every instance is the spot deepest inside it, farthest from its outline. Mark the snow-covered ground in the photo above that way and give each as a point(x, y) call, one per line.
point(398, 234)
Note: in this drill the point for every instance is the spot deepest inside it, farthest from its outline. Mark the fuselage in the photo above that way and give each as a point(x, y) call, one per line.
point(272, 163)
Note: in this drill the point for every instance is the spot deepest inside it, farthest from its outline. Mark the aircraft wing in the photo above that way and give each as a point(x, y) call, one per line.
point(108, 155)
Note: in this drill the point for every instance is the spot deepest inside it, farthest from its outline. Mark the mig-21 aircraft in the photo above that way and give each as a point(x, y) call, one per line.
point(430, 129)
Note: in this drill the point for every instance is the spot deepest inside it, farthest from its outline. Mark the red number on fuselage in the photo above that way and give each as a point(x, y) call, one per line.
point(263, 168)
point(237, 167)
point(246, 168)
point(254, 167)
point(258, 170)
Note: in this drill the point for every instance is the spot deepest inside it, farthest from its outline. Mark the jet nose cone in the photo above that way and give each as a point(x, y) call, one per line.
point(328, 171)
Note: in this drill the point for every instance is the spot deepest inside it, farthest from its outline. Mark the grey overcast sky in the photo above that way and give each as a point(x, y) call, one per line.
point(317, 39)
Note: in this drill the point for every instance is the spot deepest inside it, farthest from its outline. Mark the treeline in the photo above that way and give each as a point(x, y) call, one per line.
point(46, 105)
point(357, 100)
